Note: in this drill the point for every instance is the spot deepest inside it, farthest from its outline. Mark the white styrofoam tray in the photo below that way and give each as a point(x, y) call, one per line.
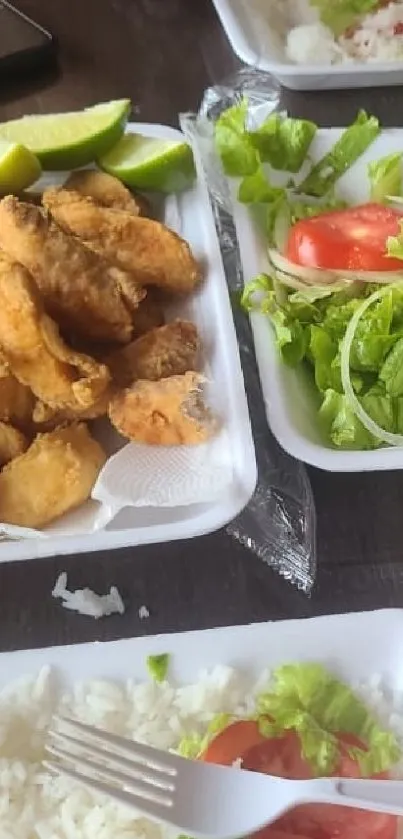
point(291, 403)
point(191, 216)
point(354, 646)
point(253, 37)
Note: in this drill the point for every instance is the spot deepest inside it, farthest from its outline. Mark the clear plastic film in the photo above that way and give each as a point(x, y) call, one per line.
point(279, 523)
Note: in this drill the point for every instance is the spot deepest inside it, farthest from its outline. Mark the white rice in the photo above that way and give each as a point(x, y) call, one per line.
point(35, 805)
point(308, 41)
point(87, 602)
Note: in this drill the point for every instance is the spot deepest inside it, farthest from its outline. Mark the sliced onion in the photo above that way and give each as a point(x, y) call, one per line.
point(367, 421)
point(298, 285)
point(322, 276)
point(311, 276)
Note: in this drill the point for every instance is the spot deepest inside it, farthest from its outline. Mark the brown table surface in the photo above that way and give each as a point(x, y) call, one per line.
point(163, 54)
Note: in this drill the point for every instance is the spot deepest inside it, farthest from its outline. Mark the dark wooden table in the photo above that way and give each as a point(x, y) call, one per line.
point(163, 54)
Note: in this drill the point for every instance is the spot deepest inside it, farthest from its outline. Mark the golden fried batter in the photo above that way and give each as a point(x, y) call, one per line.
point(36, 354)
point(105, 190)
point(147, 249)
point(165, 351)
point(170, 412)
point(149, 314)
point(55, 475)
point(80, 289)
point(12, 443)
point(16, 400)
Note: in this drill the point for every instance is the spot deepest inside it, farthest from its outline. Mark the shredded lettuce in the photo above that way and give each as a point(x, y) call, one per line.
point(193, 745)
point(238, 156)
point(306, 698)
point(256, 189)
point(394, 244)
point(310, 326)
point(158, 666)
point(291, 336)
point(339, 15)
point(348, 148)
point(385, 177)
point(283, 141)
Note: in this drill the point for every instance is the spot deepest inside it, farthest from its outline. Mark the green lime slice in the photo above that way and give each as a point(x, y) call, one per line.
point(19, 168)
point(65, 141)
point(149, 163)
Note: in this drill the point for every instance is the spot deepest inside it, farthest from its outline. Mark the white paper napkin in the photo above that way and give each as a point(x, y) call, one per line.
point(145, 476)
point(163, 476)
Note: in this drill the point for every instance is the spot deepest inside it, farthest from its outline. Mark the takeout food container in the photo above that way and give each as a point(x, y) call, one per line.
point(356, 647)
point(256, 43)
point(291, 401)
point(189, 214)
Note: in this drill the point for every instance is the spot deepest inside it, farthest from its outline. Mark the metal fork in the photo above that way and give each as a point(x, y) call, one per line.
point(196, 798)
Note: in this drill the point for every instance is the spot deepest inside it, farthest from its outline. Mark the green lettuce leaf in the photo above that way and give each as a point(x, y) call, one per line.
point(372, 338)
point(193, 744)
point(291, 336)
point(347, 149)
point(394, 244)
point(385, 177)
point(323, 352)
point(341, 426)
point(283, 141)
point(303, 209)
point(339, 15)
point(238, 156)
point(158, 666)
point(391, 373)
point(306, 698)
point(380, 407)
point(256, 189)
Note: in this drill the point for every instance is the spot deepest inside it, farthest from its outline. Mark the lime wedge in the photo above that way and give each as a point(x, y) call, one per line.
point(149, 163)
point(19, 168)
point(65, 141)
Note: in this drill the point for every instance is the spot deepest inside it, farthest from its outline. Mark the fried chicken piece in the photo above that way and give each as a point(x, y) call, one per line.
point(80, 289)
point(12, 443)
point(149, 314)
point(146, 248)
point(16, 400)
point(35, 352)
point(47, 417)
point(170, 412)
point(55, 475)
point(165, 351)
point(106, 191)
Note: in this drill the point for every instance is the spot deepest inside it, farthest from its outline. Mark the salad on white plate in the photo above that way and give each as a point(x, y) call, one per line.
point(333, 289)
point(296, 720)
point(338, 32)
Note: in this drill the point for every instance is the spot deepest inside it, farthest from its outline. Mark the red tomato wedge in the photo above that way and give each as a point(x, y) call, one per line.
point(352, 239)
point(282, 756)
point(232, 742)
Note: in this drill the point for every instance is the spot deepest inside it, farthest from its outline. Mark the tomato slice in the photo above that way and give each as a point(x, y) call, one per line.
point(232, 742)
point(352, 239)
point(282, 756)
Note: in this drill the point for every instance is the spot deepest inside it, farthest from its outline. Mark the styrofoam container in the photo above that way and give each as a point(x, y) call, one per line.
point(191, 216)
point(356, 647)
point(291, 401)
point(256, 42)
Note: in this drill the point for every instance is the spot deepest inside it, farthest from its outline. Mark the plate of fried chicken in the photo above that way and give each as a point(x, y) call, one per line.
point(115, 323)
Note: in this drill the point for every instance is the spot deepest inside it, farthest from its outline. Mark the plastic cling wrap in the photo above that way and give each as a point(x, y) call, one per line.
point(279, 523)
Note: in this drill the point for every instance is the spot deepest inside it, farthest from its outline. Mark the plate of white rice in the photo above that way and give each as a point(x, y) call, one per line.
point(211, 672)
point(288, 39)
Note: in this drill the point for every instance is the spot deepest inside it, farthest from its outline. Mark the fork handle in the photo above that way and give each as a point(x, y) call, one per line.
point(376, 796)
